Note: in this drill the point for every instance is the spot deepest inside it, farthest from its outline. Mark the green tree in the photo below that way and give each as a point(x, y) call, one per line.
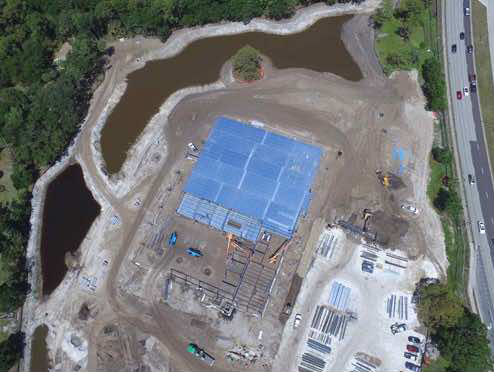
point(383, 14)
point(11, 350)
point(247, 63)
point(434, 84)
point(442, 155)
point(438, 307)
point(465, 344)
point(279, 9)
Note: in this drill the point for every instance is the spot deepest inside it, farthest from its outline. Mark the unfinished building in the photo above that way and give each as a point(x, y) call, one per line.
point(252, 185)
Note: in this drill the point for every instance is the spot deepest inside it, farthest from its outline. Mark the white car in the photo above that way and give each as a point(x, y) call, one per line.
point(466, 92)
point(192, 147)
point(481, 227)
point(467, 11)
point(296, 321)
point(410, 208)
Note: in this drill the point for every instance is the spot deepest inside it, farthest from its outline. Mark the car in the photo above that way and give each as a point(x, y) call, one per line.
point(414, 339)
point(471, 180)
point(470, 49)
point(412, 367)
point(462, 36)
point(473, 87)
point(453, 48)
point(481, 227)
point(467, 11)
point(472, 77)
point(409, 355)
point(466, 91)
point(410, 208)
point(192, 147)
point(458, 94)
point(194, 252)
point(296, 321)
point(412, 348)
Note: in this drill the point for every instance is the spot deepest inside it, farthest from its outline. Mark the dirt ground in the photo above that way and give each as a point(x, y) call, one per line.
point(375, 124)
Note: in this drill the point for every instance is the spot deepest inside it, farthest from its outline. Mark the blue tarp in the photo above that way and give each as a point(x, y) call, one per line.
point(260, 175)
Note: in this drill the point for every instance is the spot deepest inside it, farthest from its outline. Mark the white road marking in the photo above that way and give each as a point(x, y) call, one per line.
point(482, 170)
point(492, 220)
point(486, 195)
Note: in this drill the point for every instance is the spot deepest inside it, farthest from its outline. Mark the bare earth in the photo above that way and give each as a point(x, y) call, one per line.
point(127, 324)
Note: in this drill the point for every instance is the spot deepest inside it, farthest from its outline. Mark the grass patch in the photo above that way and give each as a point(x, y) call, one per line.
point(484, 72)
point(438, 171)
point(455, 250)
point(412, 50)
point(7, 189)
point(438, 365)
point(453, 234)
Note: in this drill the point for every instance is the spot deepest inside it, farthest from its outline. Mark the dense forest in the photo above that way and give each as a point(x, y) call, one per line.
point(42, 102)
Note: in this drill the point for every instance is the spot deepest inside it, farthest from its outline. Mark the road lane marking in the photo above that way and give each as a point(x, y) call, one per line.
point(492, 220)
point(482, 170)
point(486, 195)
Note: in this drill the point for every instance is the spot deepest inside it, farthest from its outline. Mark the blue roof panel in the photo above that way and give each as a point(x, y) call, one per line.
point(257, 175)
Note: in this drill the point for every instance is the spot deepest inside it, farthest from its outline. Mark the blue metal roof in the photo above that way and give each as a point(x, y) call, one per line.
point(258, 174)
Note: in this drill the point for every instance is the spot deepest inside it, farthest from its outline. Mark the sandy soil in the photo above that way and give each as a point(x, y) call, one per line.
point(365, 120)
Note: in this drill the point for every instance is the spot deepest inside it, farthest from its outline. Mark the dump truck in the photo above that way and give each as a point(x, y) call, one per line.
point(201, 354)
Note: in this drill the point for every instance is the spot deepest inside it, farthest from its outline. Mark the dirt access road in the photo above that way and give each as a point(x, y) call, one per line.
point(364, 120)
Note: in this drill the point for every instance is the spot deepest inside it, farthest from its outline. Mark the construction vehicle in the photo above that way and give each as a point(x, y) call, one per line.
point(366, 214)
point(274, 257)
point(194, 252)
point(397, 328)
point(384, 178)
point(200, 354)
point(173, 239)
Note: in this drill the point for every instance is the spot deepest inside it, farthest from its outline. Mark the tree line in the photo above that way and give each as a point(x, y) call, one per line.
point(42, 102)
point(459, 334)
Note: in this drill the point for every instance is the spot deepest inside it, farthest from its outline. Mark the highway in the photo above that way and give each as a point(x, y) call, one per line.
point(472, 156)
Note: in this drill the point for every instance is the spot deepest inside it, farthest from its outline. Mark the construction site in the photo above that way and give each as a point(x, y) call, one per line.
point(284, 228)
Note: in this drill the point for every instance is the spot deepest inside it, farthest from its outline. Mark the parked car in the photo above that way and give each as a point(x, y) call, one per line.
point(410, 208)
point(453, 48)
point(459, 94)
point(412, 367)
point(462, 36)
point(296, 321)
point(412, 348)
point(414, 339)
point(481, 227)
point(409, 355)
point(470, 49)
point(466, 92)
point(192, 147)
point(471, 180)
point(467, 11)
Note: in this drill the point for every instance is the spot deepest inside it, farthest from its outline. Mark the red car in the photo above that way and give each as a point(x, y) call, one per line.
point(458, 94)
point(412, 348)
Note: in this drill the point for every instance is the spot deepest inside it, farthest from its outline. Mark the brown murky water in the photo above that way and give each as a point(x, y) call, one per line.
point(318, 48)
point(39, 352)
point(69, 211)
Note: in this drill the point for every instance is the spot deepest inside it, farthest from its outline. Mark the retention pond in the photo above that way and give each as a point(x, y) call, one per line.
point(319, 48)
point(69, 211)
point(39, 352)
